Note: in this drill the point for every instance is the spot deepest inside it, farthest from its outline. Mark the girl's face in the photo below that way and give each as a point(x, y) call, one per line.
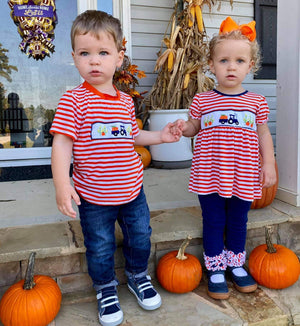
point(231, 63)
point(97, 60)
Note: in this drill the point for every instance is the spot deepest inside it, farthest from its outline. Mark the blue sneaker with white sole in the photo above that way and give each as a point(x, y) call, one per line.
point(110, 312)
point(147, 296)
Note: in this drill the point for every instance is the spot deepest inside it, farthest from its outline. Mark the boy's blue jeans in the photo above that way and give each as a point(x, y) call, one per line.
point(223, 218)
point(98, 227)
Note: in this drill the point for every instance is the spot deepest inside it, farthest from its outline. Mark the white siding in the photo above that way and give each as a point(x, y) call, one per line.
point(150, 20)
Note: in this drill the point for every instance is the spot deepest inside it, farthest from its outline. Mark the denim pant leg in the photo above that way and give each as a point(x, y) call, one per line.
point(134, 220)
point(236, 224)
point(98, 227)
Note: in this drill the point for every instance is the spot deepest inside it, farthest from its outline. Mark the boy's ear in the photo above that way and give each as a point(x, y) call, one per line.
point(251, 64)
point(121, 58)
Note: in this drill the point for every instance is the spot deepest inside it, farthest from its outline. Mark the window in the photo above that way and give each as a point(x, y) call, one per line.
point(265, 14)
point(32, 88)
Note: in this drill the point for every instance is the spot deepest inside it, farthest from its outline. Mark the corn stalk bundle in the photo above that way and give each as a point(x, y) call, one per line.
point(182, 64)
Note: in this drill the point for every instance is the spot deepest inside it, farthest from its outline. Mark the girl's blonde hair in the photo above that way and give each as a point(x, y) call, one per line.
point(94, 21)
point(237, 35)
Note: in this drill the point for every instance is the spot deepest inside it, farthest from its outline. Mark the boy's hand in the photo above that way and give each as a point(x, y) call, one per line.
point(170, 133)
point(268, 175)
point(64, 197)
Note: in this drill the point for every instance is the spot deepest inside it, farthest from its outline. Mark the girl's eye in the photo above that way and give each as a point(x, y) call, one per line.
point(223, 60)
point(103, 53)
point(240, 60)
point(83, 54)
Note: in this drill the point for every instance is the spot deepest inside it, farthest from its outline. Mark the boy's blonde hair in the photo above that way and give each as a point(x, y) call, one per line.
point(94, 21)
point(237, 35)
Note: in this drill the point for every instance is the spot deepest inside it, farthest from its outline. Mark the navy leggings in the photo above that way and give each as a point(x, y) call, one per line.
point(224, 218)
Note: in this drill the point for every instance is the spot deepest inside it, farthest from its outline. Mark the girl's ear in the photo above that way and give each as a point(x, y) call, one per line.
point(211, 66)
point(251, 64)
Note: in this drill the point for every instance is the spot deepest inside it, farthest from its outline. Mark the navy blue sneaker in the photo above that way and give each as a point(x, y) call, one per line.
point(217, 289)
point(144, 291)
point(110, 313)
point(244, 282)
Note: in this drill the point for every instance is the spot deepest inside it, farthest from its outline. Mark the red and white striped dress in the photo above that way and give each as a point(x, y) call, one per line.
point(106, 168)
point(226, 155)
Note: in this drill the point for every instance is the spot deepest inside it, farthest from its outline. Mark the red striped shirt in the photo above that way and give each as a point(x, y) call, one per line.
point(106, 168)
point(226, 154)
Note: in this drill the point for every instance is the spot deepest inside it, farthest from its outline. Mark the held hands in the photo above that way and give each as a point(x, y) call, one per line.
point(268, 175)
point(171, 133)
point(64, 197)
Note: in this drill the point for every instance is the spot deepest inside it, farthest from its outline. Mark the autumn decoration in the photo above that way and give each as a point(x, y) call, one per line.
point(36, 20)
point(273, 265)
point(34, 301)
point(126, 79)
point(178, 271)
point(181, 65)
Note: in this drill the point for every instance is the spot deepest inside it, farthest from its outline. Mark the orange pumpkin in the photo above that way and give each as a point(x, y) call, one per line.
point(178, 272)
point(144, 155)
point(268, 194)
point(274, 266)
point(139, 123)
point(34, 301)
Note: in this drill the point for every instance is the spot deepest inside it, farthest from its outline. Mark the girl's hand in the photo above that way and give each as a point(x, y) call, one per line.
point(268, 175)
point(64, 197)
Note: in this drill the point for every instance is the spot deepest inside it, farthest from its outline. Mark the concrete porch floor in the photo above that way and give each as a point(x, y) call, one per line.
point(175, 214)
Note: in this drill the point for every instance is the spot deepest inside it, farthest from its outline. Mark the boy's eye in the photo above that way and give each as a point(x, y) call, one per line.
point(103, 53)
point(240, 60)
point(83, 53)
point(223, 60)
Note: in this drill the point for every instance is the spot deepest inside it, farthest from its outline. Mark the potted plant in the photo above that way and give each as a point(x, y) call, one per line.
point(181, 73)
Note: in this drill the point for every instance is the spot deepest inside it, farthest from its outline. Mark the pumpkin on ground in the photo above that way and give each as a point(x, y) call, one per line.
point(178, 272)
point(268, 194)
point(274, 266)
point(34, 301)
point(144, 155)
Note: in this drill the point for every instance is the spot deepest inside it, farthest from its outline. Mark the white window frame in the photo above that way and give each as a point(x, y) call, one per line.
point(42, 155)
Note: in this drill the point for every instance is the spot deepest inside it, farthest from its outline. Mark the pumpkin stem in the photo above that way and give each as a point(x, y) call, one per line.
point(182, 248)
point(270, 248)
point(29, 283)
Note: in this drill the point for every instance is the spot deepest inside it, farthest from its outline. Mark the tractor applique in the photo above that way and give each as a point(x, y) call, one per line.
point(115, 131)
point(231, 120)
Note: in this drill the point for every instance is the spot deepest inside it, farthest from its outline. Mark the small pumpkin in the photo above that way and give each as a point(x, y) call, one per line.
point(274, 266)
point(179, 272)
point(34, 301)
point(144, 155)
point(139, 123)
point(268, 194)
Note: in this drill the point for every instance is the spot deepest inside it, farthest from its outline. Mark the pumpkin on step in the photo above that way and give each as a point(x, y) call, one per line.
point(178, 272)
point(34, 301)
point(268, 194)
point(274, 266)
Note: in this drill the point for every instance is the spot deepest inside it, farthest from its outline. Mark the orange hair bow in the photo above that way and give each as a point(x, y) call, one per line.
point(228, 25)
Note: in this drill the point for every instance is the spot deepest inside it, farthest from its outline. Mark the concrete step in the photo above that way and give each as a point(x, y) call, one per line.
point(63, 257)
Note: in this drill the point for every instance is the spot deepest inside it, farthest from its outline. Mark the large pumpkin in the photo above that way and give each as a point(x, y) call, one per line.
point(274, 266)
point(34, 301)
point(144, 155)
point(268, 194)
point(178, 272)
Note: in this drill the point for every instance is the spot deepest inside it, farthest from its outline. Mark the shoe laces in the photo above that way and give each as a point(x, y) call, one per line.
point(144, 285)
point(108, 299)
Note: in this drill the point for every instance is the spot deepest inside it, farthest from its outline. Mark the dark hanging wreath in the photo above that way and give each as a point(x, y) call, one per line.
point(36, 20)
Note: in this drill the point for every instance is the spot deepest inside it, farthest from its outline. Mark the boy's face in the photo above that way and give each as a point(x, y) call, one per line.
point(231, 63)
point(97, 60)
